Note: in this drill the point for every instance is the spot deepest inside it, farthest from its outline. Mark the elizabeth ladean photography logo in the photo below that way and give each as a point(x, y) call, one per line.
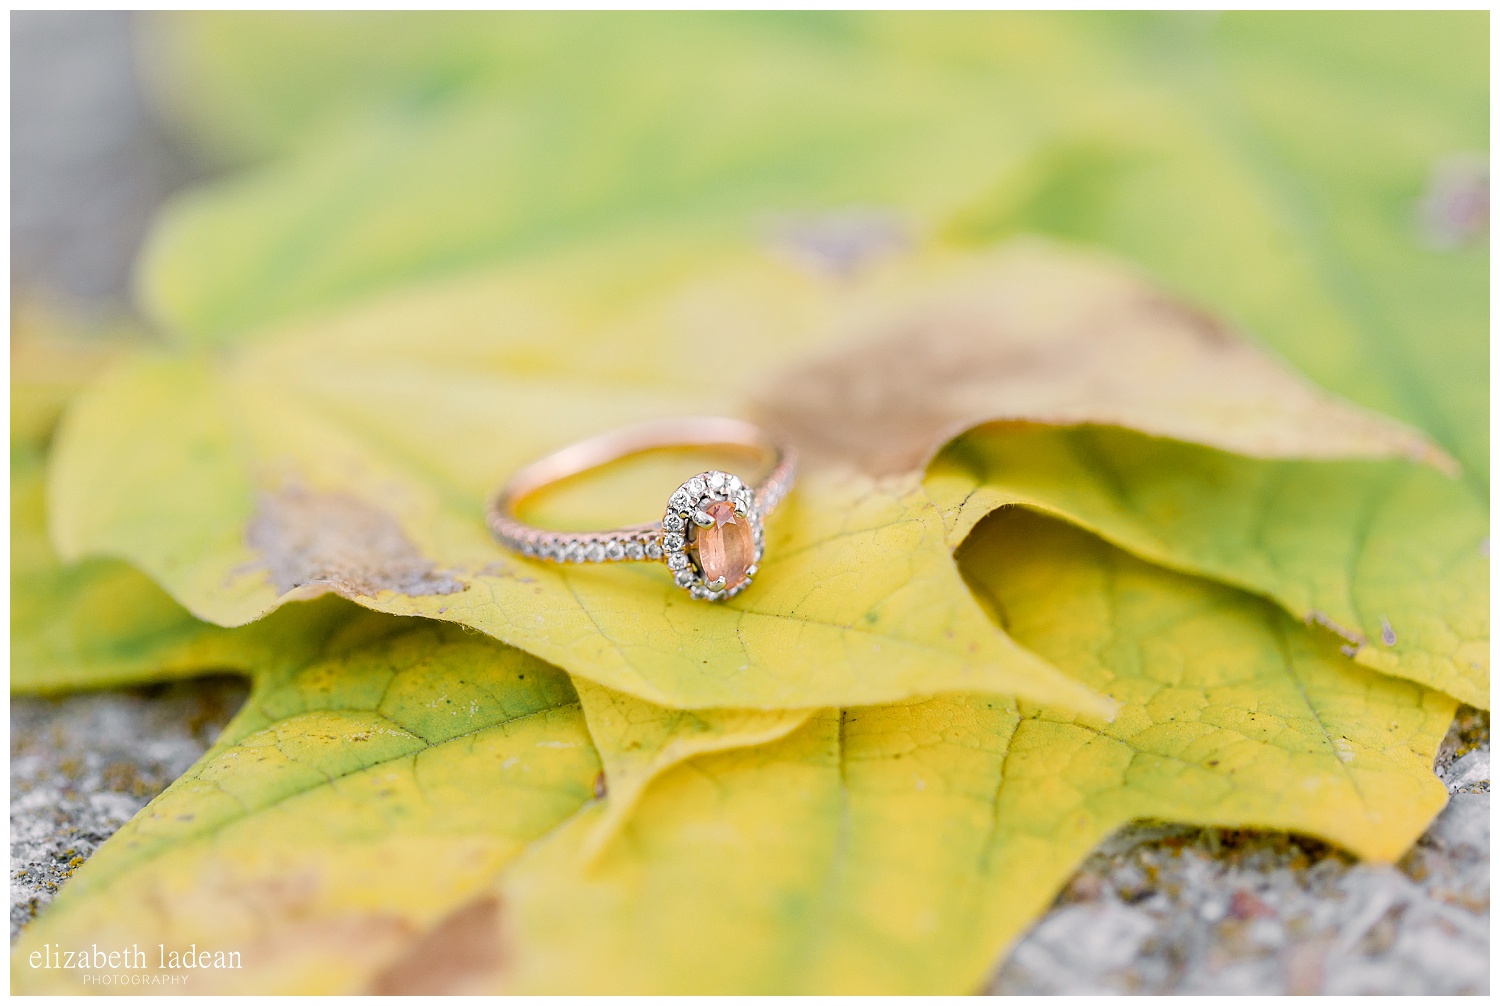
point(133, 966)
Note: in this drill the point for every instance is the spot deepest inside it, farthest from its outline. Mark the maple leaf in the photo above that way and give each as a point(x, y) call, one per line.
point(102, 623)
point(890, 848)
point(902, 848)
point(1252, 176)
point(1392, 558)
point(640, 742)
point(96, 623)
point(343, 455)
point(412, 761)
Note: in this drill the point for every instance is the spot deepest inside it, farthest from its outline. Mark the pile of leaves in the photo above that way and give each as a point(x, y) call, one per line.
point(1070, 547)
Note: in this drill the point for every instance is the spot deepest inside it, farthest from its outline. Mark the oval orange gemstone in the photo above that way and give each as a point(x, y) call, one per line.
point(727, 548)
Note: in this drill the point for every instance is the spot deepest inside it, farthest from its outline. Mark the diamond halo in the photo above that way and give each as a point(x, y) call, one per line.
point(682, 526)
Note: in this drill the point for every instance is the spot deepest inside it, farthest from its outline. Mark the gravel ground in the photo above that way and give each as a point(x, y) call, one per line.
point(1158, 908)
point(81, 766)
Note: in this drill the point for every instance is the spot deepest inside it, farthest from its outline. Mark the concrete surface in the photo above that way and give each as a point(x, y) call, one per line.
point(82, 766)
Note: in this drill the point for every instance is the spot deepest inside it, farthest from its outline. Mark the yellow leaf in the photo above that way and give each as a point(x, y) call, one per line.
point(51, 360)
point(1391, 557)
point(411, 762)
point(97, 623)
point(902, 848)
point(713, 123)
point(102, 623)
point(345, 455)
point(1259, 175)
point(1033, 333)
point(376, 783)
point(638, 741)
point(889, 849)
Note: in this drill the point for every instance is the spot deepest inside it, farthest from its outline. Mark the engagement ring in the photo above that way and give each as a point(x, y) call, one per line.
point(712, 535)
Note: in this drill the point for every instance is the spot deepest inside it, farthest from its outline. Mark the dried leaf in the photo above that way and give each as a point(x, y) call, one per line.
point(1031, 333)
point(1393, 558)
point(901, 849)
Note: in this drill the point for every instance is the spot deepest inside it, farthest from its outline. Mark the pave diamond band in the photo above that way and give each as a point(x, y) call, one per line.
point(712, 532)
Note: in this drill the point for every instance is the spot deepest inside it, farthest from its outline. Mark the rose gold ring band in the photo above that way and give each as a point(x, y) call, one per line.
point(711, 535)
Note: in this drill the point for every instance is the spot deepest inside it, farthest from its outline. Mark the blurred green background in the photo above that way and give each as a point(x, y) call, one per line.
point(1321, 179)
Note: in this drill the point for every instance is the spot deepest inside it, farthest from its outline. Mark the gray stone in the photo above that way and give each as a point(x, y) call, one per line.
point(89, 162)
point(80, 767)
point(1470, 772)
